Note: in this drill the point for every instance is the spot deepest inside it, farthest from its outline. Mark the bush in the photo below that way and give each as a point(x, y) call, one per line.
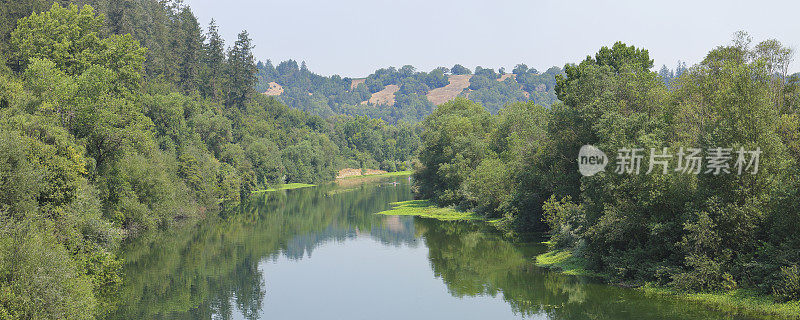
point(389, 166)
point(566, 220)
point(788, 288)
point(40, 278)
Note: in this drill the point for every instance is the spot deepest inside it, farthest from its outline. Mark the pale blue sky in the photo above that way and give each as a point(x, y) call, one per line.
point(355, 37)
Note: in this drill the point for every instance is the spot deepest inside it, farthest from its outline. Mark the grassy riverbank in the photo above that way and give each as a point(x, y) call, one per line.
point(424, 208)
point(388, 174)
point(290, 186)
point(287, 186)
point(741, 302)
point(565, 262)
point(737, 302)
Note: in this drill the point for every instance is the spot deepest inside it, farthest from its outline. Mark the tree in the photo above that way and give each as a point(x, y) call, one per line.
point(459, 70)
point(241, 71)
point(214, 64)
point(452, 147)
point(190, 50)
point(488, 73)
point(520, 69)
point(69, 38)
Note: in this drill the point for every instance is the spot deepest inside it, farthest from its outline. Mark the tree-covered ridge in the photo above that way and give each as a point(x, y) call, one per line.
point(704, 232)
point(110, 127)
point(328, 96)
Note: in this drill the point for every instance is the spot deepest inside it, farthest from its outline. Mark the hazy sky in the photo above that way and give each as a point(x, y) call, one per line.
point(355, 37)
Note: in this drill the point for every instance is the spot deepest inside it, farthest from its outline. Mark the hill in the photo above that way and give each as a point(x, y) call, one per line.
point(403, 94)
point(456, 85)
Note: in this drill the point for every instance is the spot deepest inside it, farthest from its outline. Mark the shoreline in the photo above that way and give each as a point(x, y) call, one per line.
point(737, 302)
point(288, 186)
point(379, 175)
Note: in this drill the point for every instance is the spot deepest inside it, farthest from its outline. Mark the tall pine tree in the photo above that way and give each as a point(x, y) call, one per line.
point(241, 72)
point(191, 49)
point(211, 75)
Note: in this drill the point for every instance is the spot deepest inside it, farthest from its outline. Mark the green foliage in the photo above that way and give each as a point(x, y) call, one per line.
point(493, 94)
point(452, 147)
point(241, 71)
point(566, 221)
point(371, 143)
point(213, 58)
point(788, 288)
point(705, 232)
point(459, 70)
point(40, 278)
point(102, 137)
point(69, 37)
point(564, 261)
point(482, 162)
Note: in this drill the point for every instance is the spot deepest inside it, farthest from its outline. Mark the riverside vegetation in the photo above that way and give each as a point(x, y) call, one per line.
point(122, 117)
point(284, 251)
point(732, 235)
point(128, 118)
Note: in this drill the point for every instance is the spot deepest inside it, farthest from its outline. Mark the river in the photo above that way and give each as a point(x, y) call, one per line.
point(323, 253)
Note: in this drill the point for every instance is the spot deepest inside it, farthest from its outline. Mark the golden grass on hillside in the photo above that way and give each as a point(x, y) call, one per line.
point(449, 92)
point(385, 96)
point(274, 89)
point(355, 82)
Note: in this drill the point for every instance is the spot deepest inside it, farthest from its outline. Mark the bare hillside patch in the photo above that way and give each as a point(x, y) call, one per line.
point(274, 89)
point(385, 96)
point(449, 92)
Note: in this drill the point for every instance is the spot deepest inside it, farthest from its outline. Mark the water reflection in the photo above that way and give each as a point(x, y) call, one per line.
point(322, 252)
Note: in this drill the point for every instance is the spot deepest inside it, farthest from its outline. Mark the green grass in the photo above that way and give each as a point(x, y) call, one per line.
point(423, 208)
point(742, 302)
point(341, 190)
point(388, 174)
point(287, 187)
point(563, 261)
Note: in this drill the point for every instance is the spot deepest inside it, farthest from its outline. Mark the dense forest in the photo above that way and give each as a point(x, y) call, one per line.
point(118, 117)
point(122, 117)
point(705, 232)
point(327, 96)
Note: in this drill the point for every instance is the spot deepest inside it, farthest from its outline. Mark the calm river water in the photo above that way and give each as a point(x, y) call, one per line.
point(323, 253)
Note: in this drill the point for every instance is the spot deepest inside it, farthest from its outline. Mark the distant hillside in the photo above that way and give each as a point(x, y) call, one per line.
point(383, 97)
point(457, 84)
point(403, 94)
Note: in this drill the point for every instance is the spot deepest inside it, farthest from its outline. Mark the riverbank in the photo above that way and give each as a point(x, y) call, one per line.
point(377, 175)
point(737, 302)
point(740, 302)
point(287, 186)
point(290, 186)
point(564, 262)
point(424, 208)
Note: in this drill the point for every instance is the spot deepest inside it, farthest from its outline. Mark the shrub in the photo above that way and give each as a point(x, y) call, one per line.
point(789, 287)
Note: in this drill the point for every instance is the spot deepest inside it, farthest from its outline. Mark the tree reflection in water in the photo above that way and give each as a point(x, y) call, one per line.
point(211, 270)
